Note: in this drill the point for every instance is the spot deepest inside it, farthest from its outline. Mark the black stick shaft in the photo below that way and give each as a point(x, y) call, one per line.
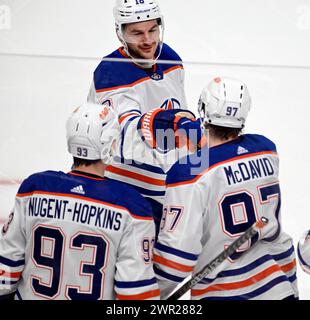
point(248, 234)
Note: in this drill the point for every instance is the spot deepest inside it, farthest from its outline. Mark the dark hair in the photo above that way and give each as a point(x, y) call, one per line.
point(223, 133)
point(83, 162)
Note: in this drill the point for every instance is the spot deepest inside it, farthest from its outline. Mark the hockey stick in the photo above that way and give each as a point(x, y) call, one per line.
point(248, 234)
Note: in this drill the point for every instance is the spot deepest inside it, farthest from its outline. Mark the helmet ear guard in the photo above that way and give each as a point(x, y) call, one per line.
point(225, 102)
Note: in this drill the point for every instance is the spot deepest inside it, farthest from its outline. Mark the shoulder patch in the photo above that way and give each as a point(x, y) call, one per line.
point(5, 228)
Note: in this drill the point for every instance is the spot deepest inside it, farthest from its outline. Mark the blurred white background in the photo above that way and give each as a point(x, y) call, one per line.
point(49, 49)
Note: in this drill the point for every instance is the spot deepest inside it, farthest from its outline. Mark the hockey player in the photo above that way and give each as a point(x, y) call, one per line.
point(155, 141)
point(78, 235)
point(139, 86)
point(207, 208)
point(303, 251)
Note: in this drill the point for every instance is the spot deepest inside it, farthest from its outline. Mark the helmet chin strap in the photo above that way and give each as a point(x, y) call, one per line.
point(149, 63)
point(142, 62)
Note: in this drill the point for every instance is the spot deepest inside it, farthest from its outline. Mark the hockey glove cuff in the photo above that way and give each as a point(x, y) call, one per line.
point(165, 130)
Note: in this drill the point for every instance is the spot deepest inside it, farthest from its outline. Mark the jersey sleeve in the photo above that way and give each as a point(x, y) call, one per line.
point(134, 144)
point(124, 101)
point(12, 248)
point(179, 242)
point(135, 278)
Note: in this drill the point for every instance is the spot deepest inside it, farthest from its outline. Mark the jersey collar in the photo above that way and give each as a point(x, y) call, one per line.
point(86, 175)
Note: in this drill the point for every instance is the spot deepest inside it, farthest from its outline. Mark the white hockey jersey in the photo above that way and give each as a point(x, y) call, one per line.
point(209, 205)
point(303, 251)
point(132, 91)
point(77, 236)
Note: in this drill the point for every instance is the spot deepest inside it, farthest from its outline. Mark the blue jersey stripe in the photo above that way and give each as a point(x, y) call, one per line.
point(283, 255)
point(147, 192)
point(168, 275)
point(110, 75)
point(189, 168)
point(11, 263)
point(129, 111)
point(303, 262)
point(135, 284)
point(9, 282)
point(139, 165)
point(107, 192)
point(176, 252)
point(293, 278)
point(254, 293)
point(249, 267)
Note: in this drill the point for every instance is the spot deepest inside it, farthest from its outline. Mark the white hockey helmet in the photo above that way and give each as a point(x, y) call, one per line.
point(225, 102)
point(132, 11)
point(92, 130)
point(303, 251)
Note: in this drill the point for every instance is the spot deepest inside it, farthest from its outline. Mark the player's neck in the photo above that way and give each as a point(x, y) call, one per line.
point(97, 169)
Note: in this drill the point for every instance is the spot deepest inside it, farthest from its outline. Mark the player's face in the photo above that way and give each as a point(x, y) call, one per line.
point(142, 38)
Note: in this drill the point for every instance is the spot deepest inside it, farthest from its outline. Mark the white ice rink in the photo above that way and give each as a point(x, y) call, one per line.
point(48, 50)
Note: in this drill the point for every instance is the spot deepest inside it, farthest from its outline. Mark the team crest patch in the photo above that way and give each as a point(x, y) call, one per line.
point(156, 76)
point(171, 104)
point(7, 224)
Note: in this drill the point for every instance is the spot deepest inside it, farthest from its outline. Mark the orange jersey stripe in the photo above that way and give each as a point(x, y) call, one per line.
point(137, 176)
point(172, 264)
point(288, 267)
point(219, 164)
point(124, 86)
point(137, 82)
point(173, 68)
point(24, 195)
point(3, 273)
point(141, 296)
point(120, 120)
point(85, 176)
point(245, 283)
point(122, 52)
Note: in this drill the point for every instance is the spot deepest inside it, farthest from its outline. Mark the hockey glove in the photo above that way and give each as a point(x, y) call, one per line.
point(165, 130)
point(189, 134)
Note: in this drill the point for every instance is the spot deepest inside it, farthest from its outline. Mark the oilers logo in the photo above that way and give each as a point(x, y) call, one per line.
point(171, 104)
point(7, 224)
point(156, 76)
